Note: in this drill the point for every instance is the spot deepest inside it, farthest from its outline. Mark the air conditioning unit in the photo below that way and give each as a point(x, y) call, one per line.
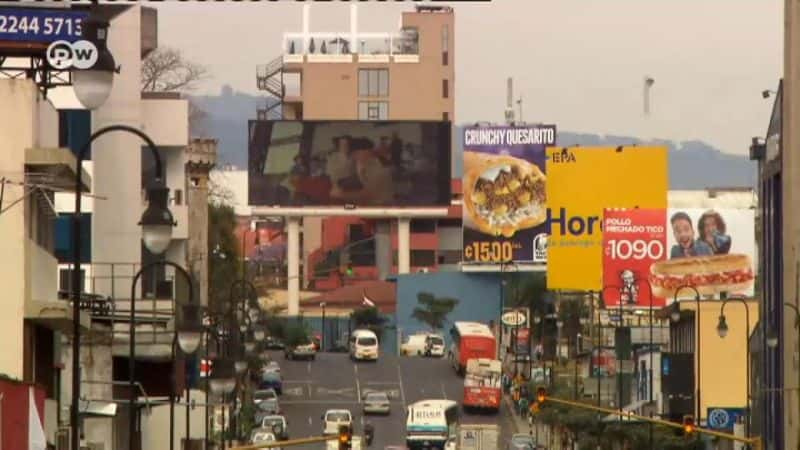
point(62, 439)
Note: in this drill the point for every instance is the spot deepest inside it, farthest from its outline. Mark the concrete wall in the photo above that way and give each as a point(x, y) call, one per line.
point(155, 427)
point(478, 295)
point(19, 113)
point(42, 273)
point(166, 121)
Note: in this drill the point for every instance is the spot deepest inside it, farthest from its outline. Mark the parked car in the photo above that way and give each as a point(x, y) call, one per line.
point(273, 343)
point(317, 341)
point(522, 441)
point(262, 436)
point(334, 418)
point(414, 345)
point(376, 403)
point(301, 351)
point(278, 425)
point(271, 380)
point(272, 366)
point(267, 401)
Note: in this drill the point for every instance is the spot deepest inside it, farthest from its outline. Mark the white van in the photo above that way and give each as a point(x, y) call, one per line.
point(363, 345)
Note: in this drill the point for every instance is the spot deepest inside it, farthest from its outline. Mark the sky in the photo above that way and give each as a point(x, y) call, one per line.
point(579, 64)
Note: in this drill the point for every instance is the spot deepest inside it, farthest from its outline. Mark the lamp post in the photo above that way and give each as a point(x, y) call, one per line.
point(722, 331)
point(92, 86)
point(537, 321)
point(772, 334)
point(157, 226)
point(188, 336)
point(322, 344)
point(676, 316)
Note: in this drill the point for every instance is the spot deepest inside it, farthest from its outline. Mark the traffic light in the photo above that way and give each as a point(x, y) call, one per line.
point(541, 394)
point(345, 437)
point(349, 270)
point(688, 425)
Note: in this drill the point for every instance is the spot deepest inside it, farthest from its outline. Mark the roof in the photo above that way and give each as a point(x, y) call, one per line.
point(473, 329)
point(382, 293)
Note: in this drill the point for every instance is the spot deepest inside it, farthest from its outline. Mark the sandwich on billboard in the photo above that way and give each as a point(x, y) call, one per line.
point(670, 253)
point(582, 183)
point(504, 193)
point(359, 163)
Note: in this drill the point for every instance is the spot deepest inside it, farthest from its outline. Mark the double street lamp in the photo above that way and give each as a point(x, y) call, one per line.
point(675, 316)
point(722, 331)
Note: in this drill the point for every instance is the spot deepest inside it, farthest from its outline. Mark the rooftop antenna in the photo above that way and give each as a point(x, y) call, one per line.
point(648, 83)
point(510, 101)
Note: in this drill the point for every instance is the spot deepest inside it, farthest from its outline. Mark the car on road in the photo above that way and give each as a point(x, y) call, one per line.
point(271, 380)
point(267, 401)
point(276, 424)
point(364, 345)
point(334, 418)
point(434, 345)
point(305, 350)
point(262, 436)
point(376, 402)
point(272, 366)
point(522, 441)
point(273, 343)
point(414, 344)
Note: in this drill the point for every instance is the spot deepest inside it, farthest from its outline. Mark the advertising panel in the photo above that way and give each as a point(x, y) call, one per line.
point(604, 362)
point(40, 25)
point(504, 193)
point(582, 183)
point(712, 250)
point(633, 239)
point(358, 163)
point(522, 341)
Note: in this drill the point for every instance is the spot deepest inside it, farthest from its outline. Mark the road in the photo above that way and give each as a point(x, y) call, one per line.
point(332, 381)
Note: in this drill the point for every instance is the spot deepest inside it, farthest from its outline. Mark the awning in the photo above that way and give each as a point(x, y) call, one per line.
point(57, 166)
point(97, 408)
point(56, 315)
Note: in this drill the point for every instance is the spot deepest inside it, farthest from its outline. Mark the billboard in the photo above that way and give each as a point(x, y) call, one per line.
point(358, 163)
point(40, 25)
point(712, 250)
point(504, 193)
point(633, 239)
point(582, 183)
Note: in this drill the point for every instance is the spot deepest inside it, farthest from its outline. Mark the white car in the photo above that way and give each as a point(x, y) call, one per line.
point(260, 436)
point(434, 345)
point(334, 418)
point(272, 366)
point(414, 345)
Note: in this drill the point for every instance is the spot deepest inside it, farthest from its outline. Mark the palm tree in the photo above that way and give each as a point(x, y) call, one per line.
point(433, 311)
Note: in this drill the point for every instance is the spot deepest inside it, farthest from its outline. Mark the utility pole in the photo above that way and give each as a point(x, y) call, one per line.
point(648, 83)
point(510, 101)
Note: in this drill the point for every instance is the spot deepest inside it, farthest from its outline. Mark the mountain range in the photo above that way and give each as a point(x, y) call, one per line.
point(692, 164)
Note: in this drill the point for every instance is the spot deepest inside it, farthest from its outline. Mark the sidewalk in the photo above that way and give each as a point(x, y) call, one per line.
point(540, 432)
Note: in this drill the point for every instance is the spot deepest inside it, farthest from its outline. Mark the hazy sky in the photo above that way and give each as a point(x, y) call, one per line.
point(577, 63)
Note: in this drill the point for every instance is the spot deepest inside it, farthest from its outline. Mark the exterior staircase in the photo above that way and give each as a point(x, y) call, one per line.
point(269, 78)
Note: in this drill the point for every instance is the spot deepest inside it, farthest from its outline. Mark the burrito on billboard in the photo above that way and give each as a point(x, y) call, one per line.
point(505, 205)
point(633, 240)
point(711, 250)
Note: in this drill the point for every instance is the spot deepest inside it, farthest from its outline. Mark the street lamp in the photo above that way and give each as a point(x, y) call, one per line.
point(92, 86)
point(190, 330)
point(76, 285)
point(259, 334)
point(676, 316)
point(722, 331)
point(188, 334)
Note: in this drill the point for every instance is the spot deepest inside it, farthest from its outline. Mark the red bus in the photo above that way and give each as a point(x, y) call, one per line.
point(482, 385)
point(470, 340)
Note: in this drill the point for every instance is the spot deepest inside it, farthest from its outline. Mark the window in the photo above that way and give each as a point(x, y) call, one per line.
point(423, 258)
point(446, 116)
point(65, 280)
point(445, 88)
point(445, 44)
point(449, 256)
point(423, 226)
point(195, 181)
point(373, 82)
point(178, 197)
point(373, 110)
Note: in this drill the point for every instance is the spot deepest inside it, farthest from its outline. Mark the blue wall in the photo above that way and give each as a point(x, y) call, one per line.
point(478, 296)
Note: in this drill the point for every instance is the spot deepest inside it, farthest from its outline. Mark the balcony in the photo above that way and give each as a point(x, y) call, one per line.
point(402, 47)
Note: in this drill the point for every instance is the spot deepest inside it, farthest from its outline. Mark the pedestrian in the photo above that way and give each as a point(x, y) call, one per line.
point(523, 406)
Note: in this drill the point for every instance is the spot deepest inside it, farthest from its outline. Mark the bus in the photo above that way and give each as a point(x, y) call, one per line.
point(431, 424)
point(482, 384)
point(470, 340)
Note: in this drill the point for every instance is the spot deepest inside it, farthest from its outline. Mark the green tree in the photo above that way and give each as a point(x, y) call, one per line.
point(296, 334)
point(433, 310)
point(223, 252)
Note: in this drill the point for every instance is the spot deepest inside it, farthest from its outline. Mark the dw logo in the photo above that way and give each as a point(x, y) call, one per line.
point(540, 248)
point(62, 55)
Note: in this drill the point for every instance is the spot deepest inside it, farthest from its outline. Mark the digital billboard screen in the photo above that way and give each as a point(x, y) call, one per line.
point(359, 163)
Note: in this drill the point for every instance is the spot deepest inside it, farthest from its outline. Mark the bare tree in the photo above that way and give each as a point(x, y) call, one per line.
point(167, 70)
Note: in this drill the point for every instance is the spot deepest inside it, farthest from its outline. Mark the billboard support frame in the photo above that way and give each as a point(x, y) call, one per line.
point(369, 213)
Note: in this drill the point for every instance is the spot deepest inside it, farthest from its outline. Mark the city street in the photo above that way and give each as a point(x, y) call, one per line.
point(333, 381)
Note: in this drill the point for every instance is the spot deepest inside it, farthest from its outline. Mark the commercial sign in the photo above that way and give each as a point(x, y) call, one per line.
point(40, 25)
point(513, 319)
point(582, 183)
point(711, 250)
point(633, 239)
point(723, 418)
point(522, 339)
point(504, 183)
point(604, 362)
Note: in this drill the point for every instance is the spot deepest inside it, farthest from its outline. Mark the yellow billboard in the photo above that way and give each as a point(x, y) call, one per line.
point(581, 183)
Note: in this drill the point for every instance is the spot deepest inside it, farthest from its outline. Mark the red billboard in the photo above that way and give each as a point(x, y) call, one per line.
point(633, 239)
